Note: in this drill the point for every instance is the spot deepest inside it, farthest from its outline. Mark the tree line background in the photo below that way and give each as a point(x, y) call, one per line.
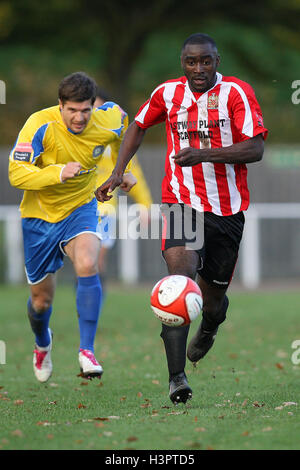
point(129, 47)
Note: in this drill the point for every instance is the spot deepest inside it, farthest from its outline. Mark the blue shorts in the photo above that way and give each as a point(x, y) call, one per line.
point(44, 241)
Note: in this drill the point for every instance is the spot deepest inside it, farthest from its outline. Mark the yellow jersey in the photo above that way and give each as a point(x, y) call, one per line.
point(45, 145)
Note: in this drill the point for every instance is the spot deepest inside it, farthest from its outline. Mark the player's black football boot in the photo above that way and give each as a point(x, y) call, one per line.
point(180, 391)
point(200, 344)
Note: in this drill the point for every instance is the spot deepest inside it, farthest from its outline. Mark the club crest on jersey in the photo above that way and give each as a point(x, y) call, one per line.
point(98, 150)
point(213, 101)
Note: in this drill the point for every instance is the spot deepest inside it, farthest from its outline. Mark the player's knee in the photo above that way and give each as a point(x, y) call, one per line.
point(41, 303)
point(86, 266)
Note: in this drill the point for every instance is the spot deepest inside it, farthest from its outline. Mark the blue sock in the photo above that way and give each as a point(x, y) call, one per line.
point(88, 301)
point(39, 324)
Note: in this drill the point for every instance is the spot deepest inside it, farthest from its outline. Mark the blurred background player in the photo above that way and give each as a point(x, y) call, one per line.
point(214, 128)
point(139, 193)
point(54, 161)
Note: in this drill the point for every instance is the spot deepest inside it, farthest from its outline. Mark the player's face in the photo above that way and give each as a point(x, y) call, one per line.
point(76, 115)
point(200, 63)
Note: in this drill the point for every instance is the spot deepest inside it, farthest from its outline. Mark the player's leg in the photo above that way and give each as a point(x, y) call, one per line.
point(42, 259)
point(40, 309)
point(83, 250)
point(222, 239)
point(39, 313)
point(183, 262)
point(215, 305)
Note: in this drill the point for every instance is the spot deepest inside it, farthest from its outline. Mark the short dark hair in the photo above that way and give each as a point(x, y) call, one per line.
point(102, 94)
point(199, 38)
point(77, 87)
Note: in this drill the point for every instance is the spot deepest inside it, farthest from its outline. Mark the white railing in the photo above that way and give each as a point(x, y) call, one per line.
point(13, 244)
point(250, 260)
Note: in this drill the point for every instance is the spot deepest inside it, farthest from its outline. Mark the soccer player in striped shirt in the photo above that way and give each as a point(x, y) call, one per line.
point(214, 127)
point(54, 161)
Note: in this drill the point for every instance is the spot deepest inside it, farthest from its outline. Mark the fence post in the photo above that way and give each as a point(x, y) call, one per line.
point(250, 268)
point(129, 256)
point(14, 247)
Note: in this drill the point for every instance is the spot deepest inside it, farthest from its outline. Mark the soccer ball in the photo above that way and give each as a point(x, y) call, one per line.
point(176, 300)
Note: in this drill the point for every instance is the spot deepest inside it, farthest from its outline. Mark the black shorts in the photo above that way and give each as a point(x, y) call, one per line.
point(215, 238)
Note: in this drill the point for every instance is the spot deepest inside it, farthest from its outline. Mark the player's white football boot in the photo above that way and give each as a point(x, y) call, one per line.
point(42, 364)
point(89, 365)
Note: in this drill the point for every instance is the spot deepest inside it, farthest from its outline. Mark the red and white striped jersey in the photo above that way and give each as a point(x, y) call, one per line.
point(224, 115)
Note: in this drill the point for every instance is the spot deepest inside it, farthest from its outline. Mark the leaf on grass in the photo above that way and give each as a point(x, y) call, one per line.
point(267, 429)
point(245, 402)
point(257, 405)
point(113, 417)
point(155, 382)
point(81, 405)
point(139, 394)
point(145, 405)
point(279, 365)
point(84, 383)
point(17, 432)
point(132, 439)
point(200, 429)
point(18, 402)
point(233, 355)
point(122, 398)
point(45, 423)
point(282, 354)
point(101, 419)
point(245, 433)
point(52, 402)
point(99, 425)
point(289, 403)
point(107, 433)
point(50, 436)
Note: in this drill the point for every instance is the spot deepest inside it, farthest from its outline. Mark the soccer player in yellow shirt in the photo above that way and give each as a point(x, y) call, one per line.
point(54, 161)
point(140, 194)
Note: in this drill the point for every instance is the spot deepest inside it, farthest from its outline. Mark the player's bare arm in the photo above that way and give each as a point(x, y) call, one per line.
point(70, 170)
point(132, 140)
point(248, 151)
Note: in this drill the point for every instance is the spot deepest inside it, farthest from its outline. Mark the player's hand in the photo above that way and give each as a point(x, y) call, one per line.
point(188, 156)
point(70, 170)
point(108, 186)
point(128, 182)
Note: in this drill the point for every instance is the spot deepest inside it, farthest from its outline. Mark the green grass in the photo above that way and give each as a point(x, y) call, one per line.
point(241, 389)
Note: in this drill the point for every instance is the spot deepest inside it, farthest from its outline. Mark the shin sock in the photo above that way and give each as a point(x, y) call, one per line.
point(210, 324)
point(174, 339)
point(88, 301)
point(39, 324)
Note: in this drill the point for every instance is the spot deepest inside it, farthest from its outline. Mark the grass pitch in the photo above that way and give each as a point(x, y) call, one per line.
point(246, 390)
